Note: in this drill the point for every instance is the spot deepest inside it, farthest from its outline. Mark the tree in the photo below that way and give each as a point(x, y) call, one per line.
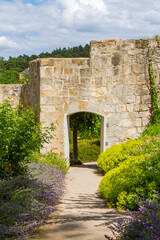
point(9, 76)
point(83, 122)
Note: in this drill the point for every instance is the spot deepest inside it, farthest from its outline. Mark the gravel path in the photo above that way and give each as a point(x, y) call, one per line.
point(81, 215)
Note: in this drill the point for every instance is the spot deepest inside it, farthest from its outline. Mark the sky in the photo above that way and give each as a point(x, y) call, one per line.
point(35, 26)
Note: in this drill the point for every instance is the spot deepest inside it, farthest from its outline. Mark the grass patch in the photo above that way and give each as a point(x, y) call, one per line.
point(88, 150)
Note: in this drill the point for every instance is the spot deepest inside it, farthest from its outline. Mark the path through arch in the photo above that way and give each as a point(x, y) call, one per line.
point(81, 214)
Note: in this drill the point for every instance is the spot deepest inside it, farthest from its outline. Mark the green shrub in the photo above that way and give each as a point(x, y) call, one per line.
point(152, 130)
point(116, 154)
point(131, 173)
point(51, 159)
point(20, 135)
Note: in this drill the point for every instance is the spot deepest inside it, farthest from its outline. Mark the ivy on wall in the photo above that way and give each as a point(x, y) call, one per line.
point(155, 117)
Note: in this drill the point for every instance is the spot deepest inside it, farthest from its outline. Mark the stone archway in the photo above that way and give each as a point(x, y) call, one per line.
point(66, 132)
point(113, 83)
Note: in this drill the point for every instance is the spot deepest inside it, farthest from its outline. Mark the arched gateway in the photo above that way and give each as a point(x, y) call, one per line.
point(113, 83)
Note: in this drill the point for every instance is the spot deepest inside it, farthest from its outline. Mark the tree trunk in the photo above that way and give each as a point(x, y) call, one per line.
point(75, 144)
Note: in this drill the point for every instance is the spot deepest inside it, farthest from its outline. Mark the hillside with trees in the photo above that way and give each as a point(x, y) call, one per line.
point(10, 69)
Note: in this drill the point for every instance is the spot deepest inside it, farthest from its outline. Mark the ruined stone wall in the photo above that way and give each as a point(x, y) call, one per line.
point(114, 83)
point(11, 92)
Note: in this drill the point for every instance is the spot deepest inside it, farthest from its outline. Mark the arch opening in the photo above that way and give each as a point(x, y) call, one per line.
point(85, 137)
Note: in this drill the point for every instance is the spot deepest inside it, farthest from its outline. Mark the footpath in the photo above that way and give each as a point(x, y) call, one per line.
point(82, 215)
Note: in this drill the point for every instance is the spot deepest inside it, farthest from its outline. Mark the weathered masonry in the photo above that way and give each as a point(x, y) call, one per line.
point(113, 83)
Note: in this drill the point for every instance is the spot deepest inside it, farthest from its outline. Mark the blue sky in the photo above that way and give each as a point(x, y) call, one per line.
point(35, 26)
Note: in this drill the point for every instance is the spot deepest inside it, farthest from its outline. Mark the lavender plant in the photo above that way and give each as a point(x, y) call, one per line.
point(142, 225)
point(26, 201)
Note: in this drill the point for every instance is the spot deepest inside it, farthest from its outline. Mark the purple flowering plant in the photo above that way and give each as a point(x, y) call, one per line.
point(142, 225)
point(26, 201)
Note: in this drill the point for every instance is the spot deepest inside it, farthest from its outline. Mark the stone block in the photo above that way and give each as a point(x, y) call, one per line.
point(137, 100)
point(138, 122)
point(46, 72)
point(47, 87)
point(126, 123)
point(85, 82)
point(81, 61)
point(58, 85)
point(85, 72)
point(49, 93)
point(140, 129)
point(46, 62)
point(130, 79)
point(127, 69)
point(97, 71)
point(141, 90)
point(129, 90)
point(129, 99)
point(130, 133)
point(145, 122)
point(146, 99)
point(137, 108)
point(120, 108)
point(65, 93)
point(129, 107)
point(62, 62)
point(74, 79)
point(98, 81)
point(47, 109)
point(135, 68)
point(110, 108)
point(58, 70)
point(73, 92)
point(68, 71)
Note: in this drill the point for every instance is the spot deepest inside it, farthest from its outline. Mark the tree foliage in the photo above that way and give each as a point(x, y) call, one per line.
point(20, 135)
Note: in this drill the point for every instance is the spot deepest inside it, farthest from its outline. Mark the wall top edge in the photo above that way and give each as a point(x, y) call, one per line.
point(61, 59)
point(96, 44)
point(15, 85)
point(126, 40)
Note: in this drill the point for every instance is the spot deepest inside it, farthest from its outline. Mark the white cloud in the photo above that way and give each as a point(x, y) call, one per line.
point(43, 25)
point(82, 14)
point(6, 43)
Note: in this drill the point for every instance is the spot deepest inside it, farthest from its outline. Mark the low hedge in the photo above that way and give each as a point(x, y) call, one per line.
point(132, 171)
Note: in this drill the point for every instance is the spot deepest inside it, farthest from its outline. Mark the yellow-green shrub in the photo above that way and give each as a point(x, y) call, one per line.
point(136, 177)
point(116, 154)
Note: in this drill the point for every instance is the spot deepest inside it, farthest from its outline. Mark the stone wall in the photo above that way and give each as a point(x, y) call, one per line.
point(114, 83)
point(11, 92)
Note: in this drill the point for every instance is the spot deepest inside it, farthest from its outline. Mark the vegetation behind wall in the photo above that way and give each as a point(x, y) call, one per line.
point(10, 69)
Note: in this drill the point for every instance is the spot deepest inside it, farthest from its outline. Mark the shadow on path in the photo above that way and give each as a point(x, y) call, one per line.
point(82, 215)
